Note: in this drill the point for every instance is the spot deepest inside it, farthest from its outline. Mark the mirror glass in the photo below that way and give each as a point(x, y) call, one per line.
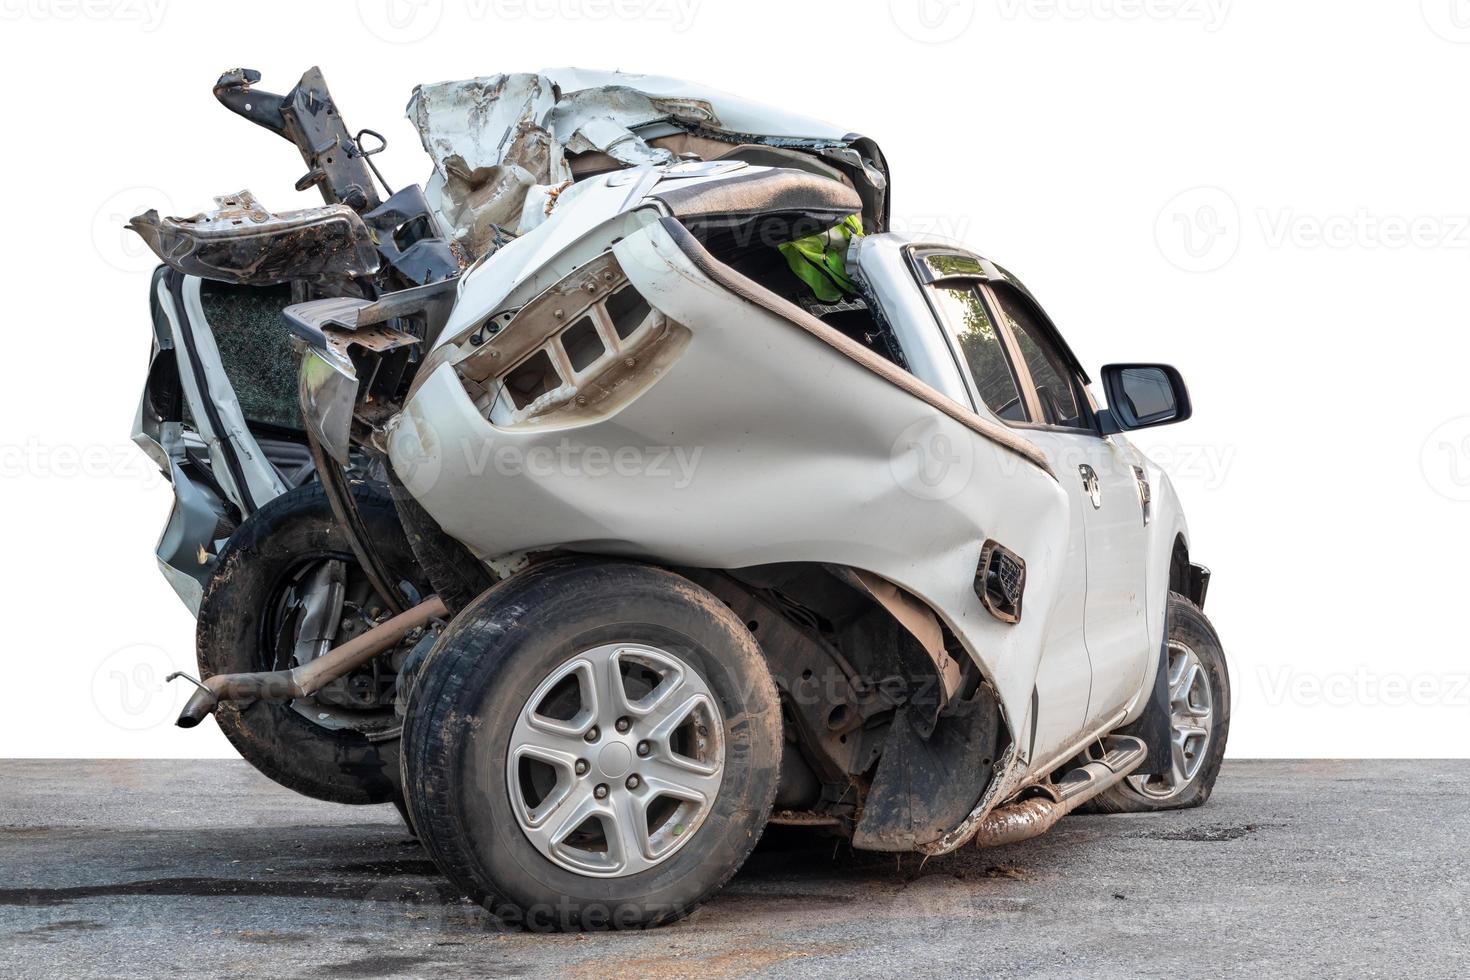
point(1149, 393)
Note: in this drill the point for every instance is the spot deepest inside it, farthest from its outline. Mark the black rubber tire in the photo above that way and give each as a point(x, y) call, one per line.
point(473, 687)
point(339, 766)
point(1189, 625)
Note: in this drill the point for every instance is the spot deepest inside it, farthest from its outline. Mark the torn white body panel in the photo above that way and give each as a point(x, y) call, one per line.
point(504, 146)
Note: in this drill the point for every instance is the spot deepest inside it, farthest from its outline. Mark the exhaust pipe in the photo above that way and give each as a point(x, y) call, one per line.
point(306, 680)
point(1035, 816)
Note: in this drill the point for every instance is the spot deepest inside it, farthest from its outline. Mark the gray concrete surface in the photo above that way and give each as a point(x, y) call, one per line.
point(199, 868)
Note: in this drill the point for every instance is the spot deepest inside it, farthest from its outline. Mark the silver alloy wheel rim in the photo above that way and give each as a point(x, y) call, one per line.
point(1191, 718)
point(580, 789)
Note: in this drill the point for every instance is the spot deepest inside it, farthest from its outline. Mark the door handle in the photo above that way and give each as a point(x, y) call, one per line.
point(1090, 485)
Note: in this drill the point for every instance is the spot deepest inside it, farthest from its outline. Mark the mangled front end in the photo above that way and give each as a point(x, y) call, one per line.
point(221, 414)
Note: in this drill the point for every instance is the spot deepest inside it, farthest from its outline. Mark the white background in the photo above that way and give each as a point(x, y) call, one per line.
point(1271, 196)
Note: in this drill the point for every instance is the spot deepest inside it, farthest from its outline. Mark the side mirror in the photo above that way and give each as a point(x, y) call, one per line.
point(1141, 395)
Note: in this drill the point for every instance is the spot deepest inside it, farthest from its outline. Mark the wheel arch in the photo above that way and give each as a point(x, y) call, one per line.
point(878, 697)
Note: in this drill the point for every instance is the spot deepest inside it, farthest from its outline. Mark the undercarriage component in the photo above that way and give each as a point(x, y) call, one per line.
point(456, 574)
point(339, 495)
point(821, 704)
point(303, 681)
point(1013, 822)
point(925, 786)
point(915, 617)
point(858, 684)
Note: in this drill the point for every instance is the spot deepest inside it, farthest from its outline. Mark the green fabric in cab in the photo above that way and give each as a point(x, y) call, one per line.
point(820, 260)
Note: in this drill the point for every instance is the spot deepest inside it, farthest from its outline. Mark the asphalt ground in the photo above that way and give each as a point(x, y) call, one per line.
point(205, 868)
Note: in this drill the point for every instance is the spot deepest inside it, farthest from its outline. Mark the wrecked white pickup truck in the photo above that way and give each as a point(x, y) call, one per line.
point(630, 487)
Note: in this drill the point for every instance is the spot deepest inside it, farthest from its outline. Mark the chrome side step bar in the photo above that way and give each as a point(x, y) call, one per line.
point(1028, 818)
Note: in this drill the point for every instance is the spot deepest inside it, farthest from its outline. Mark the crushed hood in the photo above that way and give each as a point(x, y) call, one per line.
point(505, 146)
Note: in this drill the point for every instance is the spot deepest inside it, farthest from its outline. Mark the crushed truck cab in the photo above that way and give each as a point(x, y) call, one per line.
point(745, 507)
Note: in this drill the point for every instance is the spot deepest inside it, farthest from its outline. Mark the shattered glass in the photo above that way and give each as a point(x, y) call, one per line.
point(255, 348)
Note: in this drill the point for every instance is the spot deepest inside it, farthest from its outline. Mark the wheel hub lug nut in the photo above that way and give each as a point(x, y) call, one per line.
point(633, 782)
point(581, 767)
point(623, 724)
point(601, 791)
point(644, 748)
point(592, 734)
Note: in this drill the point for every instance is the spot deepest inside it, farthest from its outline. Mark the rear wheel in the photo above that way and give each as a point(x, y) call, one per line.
point(1199, 718)
point(592, 745)
point(287, 589)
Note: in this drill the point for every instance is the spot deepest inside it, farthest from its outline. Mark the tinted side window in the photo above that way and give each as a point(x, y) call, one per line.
point(965, 317)
point(1055, 388)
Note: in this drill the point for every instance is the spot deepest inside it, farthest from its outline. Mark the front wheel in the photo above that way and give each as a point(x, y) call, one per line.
point(286, 589)
point(592, 745)
point(1199, 719)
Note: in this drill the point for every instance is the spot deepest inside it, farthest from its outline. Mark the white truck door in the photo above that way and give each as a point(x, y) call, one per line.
point(1064, 675)
point(1116, 623)
point(1117, 617)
